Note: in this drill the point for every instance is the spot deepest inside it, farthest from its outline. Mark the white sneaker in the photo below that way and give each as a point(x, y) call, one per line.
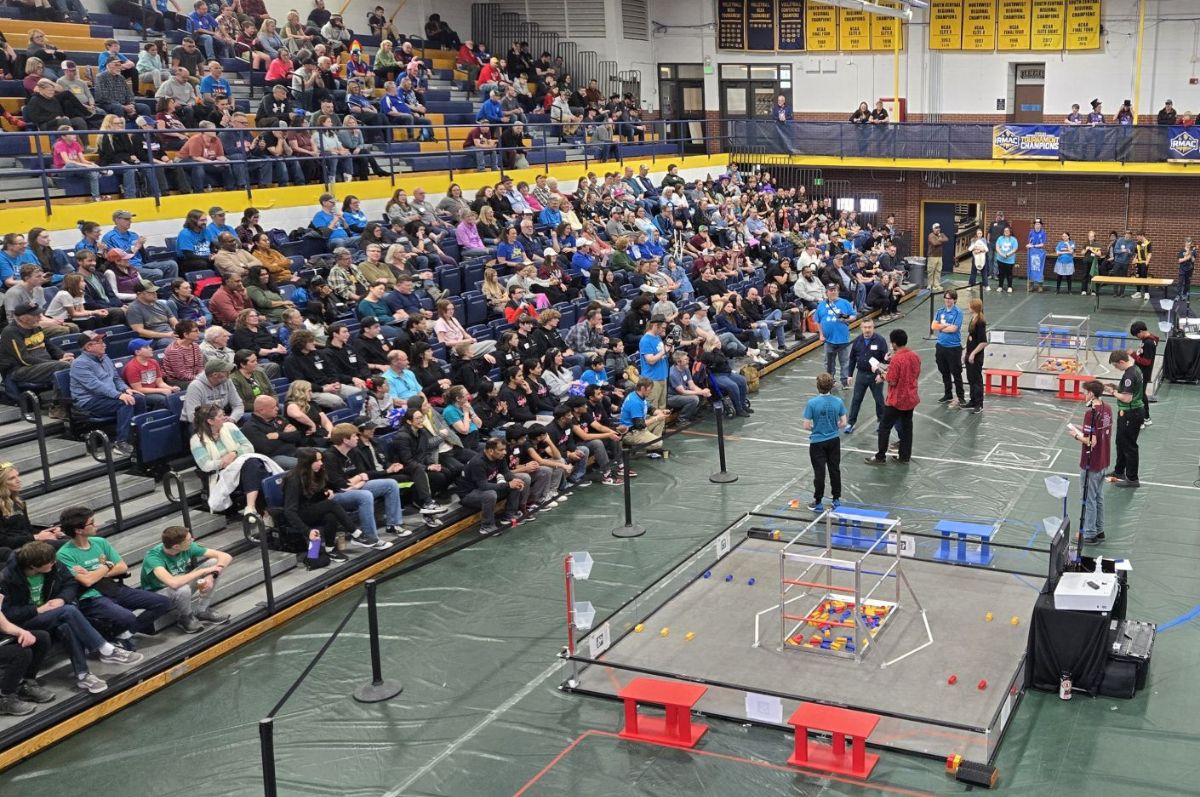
point(988, 289)
point(751, 353)
point(1083, 293)
point(1136, 295)
point(759, 361)
point(1010, 290)
point(1147, 422)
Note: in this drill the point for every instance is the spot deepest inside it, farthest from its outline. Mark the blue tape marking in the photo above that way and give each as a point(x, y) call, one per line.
point(1186, 617)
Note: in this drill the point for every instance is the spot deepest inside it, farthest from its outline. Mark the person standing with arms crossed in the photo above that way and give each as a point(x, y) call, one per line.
point(1006, 258)
point(1130, 396)
point(1095, 435)
point(973, 355)
point(948, 354)
point(996, 229)
point(834, 317)
point(935, 260)
point(867, 347)
point(902, 398)
point(824, 416)
point(1143, 250)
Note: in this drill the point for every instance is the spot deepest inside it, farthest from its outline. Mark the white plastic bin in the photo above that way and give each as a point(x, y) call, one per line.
point(581, 565)
point(1051, 524)
point(1057, 486)
point(585, 613)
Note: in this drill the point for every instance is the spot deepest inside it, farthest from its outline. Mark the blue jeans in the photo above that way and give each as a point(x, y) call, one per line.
point(219, 172)
point(91, 174)
point(580, 466)
point(777, 324)
point(978, 274)
point(864, 381)
point(362, 501)
point(116, 611)
point(486, 159)
point(734, 386)
point(109, 407)
point(1093, 510)
point(159, 270)
point(71, 628)
point(838, 354)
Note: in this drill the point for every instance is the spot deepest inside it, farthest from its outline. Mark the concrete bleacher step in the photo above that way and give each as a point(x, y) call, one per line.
point(28, 457)
point(8, 414)
point(18, 431)
point(65, 473)
point(44, 509)
point(133, 543)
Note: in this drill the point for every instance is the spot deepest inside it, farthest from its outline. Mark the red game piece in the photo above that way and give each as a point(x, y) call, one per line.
point(952, 680)
point(983, 684)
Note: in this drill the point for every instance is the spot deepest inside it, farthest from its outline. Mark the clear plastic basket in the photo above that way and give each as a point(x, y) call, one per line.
point(585, 613)
point(581, 565)
point(1058, 486)
point(1051, 524)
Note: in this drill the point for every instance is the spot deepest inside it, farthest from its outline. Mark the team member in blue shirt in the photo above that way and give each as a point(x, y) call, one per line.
point(1122, 254)
point(640, 424)
point(123, 238)
point(655, 359)
point(1036, 246)
point(947, 323)
point(216, 226)
point(192, 248)
point(824, 416)
point(329, 221)
point(868, 346)
point(834, 316)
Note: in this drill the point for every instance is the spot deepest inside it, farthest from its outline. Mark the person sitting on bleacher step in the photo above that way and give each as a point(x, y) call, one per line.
point(28, 360)
point(114, 95)
point(80, 89)
point(186, 572)
point(29, 290)
point(21, 655)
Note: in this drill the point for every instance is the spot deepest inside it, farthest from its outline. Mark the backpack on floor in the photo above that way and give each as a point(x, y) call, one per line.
point(750, 374)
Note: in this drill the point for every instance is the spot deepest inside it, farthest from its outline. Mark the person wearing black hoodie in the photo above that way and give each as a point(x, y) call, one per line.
point(344, 362)
point(486, 480)
point(308, 504)
point(416, 449)
point(305, 362)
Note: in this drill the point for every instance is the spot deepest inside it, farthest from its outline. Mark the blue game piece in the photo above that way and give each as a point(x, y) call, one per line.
point(707, 573)
point(729, 578)
point(751, 581)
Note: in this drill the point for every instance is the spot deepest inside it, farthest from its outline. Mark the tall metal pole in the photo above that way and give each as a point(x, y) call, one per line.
point(630, 529)
point(1137, 61)
point(379, 689)
point(266, 746)
point(722, 476)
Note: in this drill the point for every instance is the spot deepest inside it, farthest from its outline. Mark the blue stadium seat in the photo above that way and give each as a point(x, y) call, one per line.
point(450, 279)
point(475, 307)
point(568, 316)
point(344, 415)
point(355, 403)
point(272, 490)
point(472, 273)
point(157, 437)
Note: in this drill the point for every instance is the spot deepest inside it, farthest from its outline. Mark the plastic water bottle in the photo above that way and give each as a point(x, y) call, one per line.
point(314, 549)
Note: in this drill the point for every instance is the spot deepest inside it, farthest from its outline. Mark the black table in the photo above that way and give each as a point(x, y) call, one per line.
point(1181, 360)
point(1068, 641)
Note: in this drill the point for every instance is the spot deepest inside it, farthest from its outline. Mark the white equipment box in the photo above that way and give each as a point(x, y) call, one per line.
point(1086, 592)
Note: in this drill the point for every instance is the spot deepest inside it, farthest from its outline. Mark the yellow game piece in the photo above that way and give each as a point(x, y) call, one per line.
point(639, 628)
point(987, 617)
point(665, 631)
point(1015, 620)
point(689, 636)
point(777, 534)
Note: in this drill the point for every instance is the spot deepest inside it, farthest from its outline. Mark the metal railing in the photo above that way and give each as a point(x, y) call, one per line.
point(31, 412)
point(100, 449)
point(176, 492)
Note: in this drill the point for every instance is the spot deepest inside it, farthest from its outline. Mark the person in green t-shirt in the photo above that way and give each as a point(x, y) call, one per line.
point(1130, 392)
point(39, 595)
point(186, 572)
point(107, 604)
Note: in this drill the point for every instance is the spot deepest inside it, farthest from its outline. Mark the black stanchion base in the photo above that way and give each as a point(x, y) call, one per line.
point(723, 477)
point(378, 692)
point(628, 531)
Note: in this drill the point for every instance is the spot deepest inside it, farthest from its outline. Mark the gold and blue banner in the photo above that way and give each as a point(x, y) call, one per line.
point(1183, 143)
point(1012, 142)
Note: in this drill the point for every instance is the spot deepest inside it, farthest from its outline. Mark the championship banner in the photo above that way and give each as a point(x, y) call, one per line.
point(1024, 142)
point(1035, 271)
point(760, 25)
point(884, 30)
point(1016, 19)
point(789, 24)
point(854, 31)
point(979, 25)
point(821, 23)
point(1049, 25)
point(1183, 144)
point(1083, 25)
point(945, 24)
point(731, 25)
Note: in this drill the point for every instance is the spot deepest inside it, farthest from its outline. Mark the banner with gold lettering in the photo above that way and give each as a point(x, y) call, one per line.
point(760, 25)
point(854, 31)
point(731, 25)
point(1049, 25)
point(1083, 25)
point(1014, 20)
point(789, 26)
point(821, 23)
point(884, 30)
point(979, 25)
point(945, 24)
point(1018, 142)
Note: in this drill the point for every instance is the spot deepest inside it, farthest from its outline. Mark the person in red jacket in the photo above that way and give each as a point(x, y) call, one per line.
point(902, 399)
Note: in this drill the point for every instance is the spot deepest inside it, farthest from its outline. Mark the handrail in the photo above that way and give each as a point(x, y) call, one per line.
point(254, 531)
point(100, 449)
point(31, 411)
point(171, 478)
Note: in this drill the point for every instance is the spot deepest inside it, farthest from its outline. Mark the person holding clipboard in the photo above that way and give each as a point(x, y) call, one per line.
point(1095, 435)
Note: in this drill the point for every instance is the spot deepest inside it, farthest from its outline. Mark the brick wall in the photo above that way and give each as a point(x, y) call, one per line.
point(1161, 206)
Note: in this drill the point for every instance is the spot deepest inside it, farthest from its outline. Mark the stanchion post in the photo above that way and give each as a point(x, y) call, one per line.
point(379, 689)
point(266, 746)
point(629, 529)
point(929, 334)
point(722, 476)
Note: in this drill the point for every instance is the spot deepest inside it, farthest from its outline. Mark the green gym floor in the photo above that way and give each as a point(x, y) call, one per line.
point(474, 635)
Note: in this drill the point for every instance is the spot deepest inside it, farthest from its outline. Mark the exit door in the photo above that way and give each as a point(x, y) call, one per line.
point(1028, 104)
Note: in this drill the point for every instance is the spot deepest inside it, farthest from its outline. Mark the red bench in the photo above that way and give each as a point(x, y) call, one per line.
point(1008, 382)
point(840, 723)
point(674, 730)
point(1075, 381)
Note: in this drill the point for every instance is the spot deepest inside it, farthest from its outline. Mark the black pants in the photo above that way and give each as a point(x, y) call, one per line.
point(975, 380)
point(1005, 270)
point(903, 421)
point(949, 365)
point(1146, 371)
point(1058, 280)
point(327, 517)
point(18, 663)
point(1143, 270)
point(113, 615)
point(1129, 426)
point(826, 454)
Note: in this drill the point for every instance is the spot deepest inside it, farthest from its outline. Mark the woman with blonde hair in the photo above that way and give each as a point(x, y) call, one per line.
point(973, 355)
point(305, 414)
point(386, 66)
point(116, 151)
point(489, 228)
point(295, 37)
point(15, 528)
point(495, 293)
point(223, 452)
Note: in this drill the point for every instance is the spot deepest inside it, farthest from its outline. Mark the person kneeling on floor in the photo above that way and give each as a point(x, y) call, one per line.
point(186, 572)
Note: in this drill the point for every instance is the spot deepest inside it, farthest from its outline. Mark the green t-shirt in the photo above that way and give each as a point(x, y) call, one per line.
point(89, 559)
point(36, 582)
point(176, 565)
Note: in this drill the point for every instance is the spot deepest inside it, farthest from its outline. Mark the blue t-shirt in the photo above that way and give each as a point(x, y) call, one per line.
point(10, 267)
point(632, 408)
point(824, 412)
point(833, 328)
point(1037, 238)
point(594, 377)
point(1006, 249)
point(189, 241)
point(1066, 253)
point(679, 377)
point(581, 263)
point(323, 219)
point(115, 239)
point(952, 316)
point(217, 87)
point(510, 253)
point(653, 344)
point(212, 230)
point(452, 415)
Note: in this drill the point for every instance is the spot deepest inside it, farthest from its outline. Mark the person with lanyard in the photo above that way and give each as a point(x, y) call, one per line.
point(824, 415)
point(1131, 401)
point(1035, 270)
point(1122, 254)
point(656, 360)
point(973, 355)
point(1143, 250)
point(947, 323)
point(1095, 436)
point(1064, 264)
point(867, 355)
point(1187, 265)
point(834, 317)
point(902, 375)
point(1006, 258)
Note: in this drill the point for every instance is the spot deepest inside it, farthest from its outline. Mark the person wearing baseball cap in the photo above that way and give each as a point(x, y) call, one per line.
point(101, 392)
point(149, 317)
point(213, 387)
point(123, 238)
point(934, 257)
point(27, 357)
point(655, 359)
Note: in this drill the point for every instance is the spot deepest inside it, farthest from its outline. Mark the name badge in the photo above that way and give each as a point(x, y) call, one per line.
point(320, 366)
point(874, 347)
point(353, 359)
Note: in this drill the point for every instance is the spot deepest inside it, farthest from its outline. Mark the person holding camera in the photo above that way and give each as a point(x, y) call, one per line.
point(834, 316)
point(655, 354)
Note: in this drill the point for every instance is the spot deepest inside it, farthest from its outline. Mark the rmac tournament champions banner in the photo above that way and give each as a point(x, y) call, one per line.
point(1183, 143)
point(1013, 142)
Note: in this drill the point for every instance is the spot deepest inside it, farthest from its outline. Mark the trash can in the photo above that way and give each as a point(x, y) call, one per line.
point(915, 266)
